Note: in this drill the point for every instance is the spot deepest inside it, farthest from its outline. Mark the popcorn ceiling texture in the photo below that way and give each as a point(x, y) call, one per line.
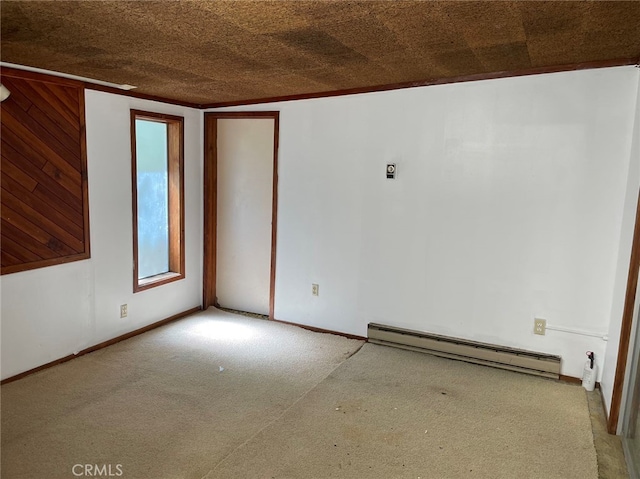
point(231, 51)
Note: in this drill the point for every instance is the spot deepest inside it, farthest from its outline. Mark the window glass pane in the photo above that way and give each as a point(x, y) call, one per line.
point(153, 198)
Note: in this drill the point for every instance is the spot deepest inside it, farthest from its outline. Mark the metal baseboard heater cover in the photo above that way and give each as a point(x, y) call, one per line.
point(520, 360)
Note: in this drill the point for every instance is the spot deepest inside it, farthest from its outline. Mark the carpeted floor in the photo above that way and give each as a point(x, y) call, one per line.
point(159, 404)
point(218, 395)
point(393, 413)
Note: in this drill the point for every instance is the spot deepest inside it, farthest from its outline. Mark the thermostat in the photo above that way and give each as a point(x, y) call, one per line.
point(391, 171)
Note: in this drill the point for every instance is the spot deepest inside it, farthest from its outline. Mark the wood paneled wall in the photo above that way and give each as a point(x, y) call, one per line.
point(44, 197)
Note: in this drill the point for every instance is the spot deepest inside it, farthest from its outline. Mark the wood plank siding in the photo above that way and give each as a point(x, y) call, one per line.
point(43, 173)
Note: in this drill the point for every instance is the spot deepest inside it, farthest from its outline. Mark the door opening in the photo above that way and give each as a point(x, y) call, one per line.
point(240, 211)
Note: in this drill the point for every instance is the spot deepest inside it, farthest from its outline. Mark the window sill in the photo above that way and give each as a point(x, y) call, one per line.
point(157, 280)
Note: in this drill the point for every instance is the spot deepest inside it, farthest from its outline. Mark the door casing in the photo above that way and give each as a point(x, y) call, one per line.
point(210, 202)
point(625, 328)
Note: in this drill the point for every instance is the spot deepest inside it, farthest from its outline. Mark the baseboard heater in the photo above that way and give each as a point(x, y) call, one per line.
point(512, 359)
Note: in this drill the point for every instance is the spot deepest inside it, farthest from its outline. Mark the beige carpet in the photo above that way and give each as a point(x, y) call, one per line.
point(391, 413)
point(160, 406)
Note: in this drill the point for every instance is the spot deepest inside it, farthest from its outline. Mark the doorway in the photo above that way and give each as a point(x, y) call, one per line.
point(240, 210)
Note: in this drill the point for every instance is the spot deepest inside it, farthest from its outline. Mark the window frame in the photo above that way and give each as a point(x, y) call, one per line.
point(175, 178)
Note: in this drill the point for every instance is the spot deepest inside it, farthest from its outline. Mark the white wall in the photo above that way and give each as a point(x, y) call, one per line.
point(51, 312)
point(508, 205)
point(622, 266)
point(513, 201)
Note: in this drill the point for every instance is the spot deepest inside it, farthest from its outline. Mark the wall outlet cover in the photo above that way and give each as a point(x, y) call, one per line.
point(540, 326)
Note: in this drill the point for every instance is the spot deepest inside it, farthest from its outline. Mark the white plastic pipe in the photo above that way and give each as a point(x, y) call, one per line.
point(604, 337)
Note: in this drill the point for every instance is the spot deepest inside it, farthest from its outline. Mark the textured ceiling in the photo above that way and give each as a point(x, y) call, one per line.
point(232, 51)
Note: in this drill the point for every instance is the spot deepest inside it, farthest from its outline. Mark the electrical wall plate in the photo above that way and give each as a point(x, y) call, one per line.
point(540, 326)
point(391, 171)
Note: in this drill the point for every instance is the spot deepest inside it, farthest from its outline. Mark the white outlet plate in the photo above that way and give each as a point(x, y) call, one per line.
point(540, 326)
point(123, 310)
point(315, 289)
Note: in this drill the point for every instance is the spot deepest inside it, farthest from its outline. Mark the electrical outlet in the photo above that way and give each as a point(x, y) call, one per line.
point(315, 289)
point(540, 326)
point(123, 311)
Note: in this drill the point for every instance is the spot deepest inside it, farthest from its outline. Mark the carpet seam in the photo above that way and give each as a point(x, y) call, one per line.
point(283, 413)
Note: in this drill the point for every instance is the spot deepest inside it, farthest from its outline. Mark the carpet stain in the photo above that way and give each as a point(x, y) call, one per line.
point(398, 417)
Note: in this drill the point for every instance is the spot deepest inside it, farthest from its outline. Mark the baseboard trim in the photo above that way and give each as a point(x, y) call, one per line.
point(103, 344)
point(570, 379)
point(604, 408)
point(320, 330)
point(574, 380)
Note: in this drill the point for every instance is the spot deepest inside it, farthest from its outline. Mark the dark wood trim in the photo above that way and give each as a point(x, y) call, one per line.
point(41, 77)
point(430, 82)
point(350, 91)
point(210, 211)
point(154, 116)
point(570, 379)
point(141, 96)
point(574, 380)
point(79, 86)
point(44, 263)
point(226, 115)
point(274, 216)
point(85, 174)
point(104, 344)
point(50, 78)
point(134, 198)
point(165, 278)
point(625, 327)
point(320, 330)
point(175, 153)
point(211, 204)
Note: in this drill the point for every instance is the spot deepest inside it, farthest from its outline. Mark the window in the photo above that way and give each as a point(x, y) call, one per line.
point(158, 199)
